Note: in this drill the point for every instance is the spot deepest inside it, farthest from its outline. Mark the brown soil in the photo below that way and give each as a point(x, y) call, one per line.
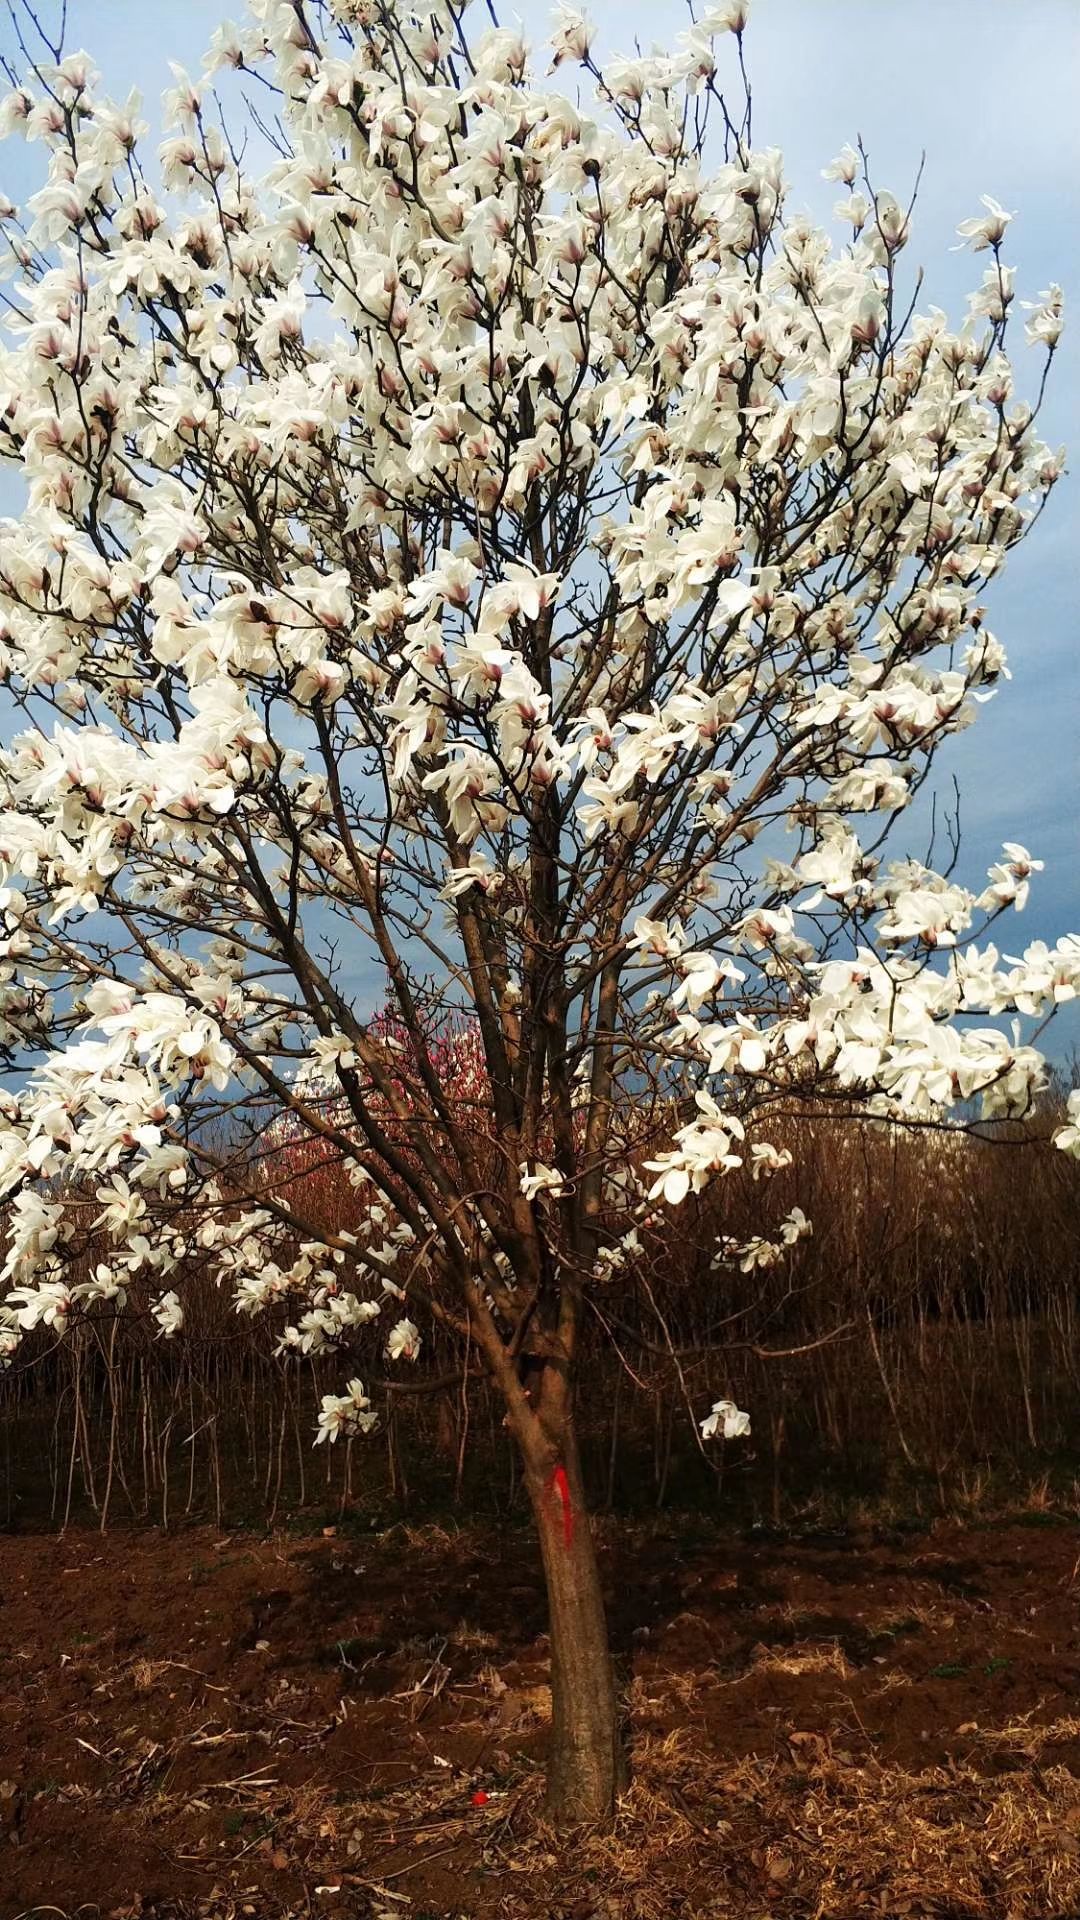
point(196, 1725)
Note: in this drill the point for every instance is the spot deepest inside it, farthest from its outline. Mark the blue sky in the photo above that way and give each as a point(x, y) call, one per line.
point(987, 89)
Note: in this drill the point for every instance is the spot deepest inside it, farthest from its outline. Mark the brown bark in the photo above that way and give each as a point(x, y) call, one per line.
point(586, 1761)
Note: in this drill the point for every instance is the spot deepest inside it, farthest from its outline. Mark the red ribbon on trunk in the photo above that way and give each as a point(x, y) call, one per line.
point(558, 1483)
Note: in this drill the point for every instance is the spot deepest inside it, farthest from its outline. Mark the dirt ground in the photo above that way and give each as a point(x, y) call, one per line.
point(346, 1726)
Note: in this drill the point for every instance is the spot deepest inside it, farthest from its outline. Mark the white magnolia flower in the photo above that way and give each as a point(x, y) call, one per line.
point(169, 1314)
point(1067, 1136)
point(1047, 318)
point(728, 16)
point(542, 1179)
point(796, 1227)
point(47, 1305)
point(985, 229)
point(346, 1413)
point(1009, 879)
point(572, 36)
point(845, 167)
point(404, 1341)
point(727, 1419)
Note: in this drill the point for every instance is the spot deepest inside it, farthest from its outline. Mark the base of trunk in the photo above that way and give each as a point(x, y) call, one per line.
point(586, 1761)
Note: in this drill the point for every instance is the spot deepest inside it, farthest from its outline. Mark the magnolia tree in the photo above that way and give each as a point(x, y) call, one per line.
point(497, 563)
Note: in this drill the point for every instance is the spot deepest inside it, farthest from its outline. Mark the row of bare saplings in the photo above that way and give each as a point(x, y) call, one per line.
point(924, 1339)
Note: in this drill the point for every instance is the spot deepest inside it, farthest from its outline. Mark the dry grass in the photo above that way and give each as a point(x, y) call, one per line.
point(837, 1840)
point(814, 1834)
point(807, 1657)
point(913, 1765)
point(1028, 1736)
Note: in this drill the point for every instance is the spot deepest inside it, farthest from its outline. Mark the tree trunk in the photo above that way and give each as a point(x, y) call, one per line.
point(586, 1762)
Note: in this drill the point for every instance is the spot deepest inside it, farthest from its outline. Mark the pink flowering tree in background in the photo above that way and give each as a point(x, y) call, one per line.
point(497, 567)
